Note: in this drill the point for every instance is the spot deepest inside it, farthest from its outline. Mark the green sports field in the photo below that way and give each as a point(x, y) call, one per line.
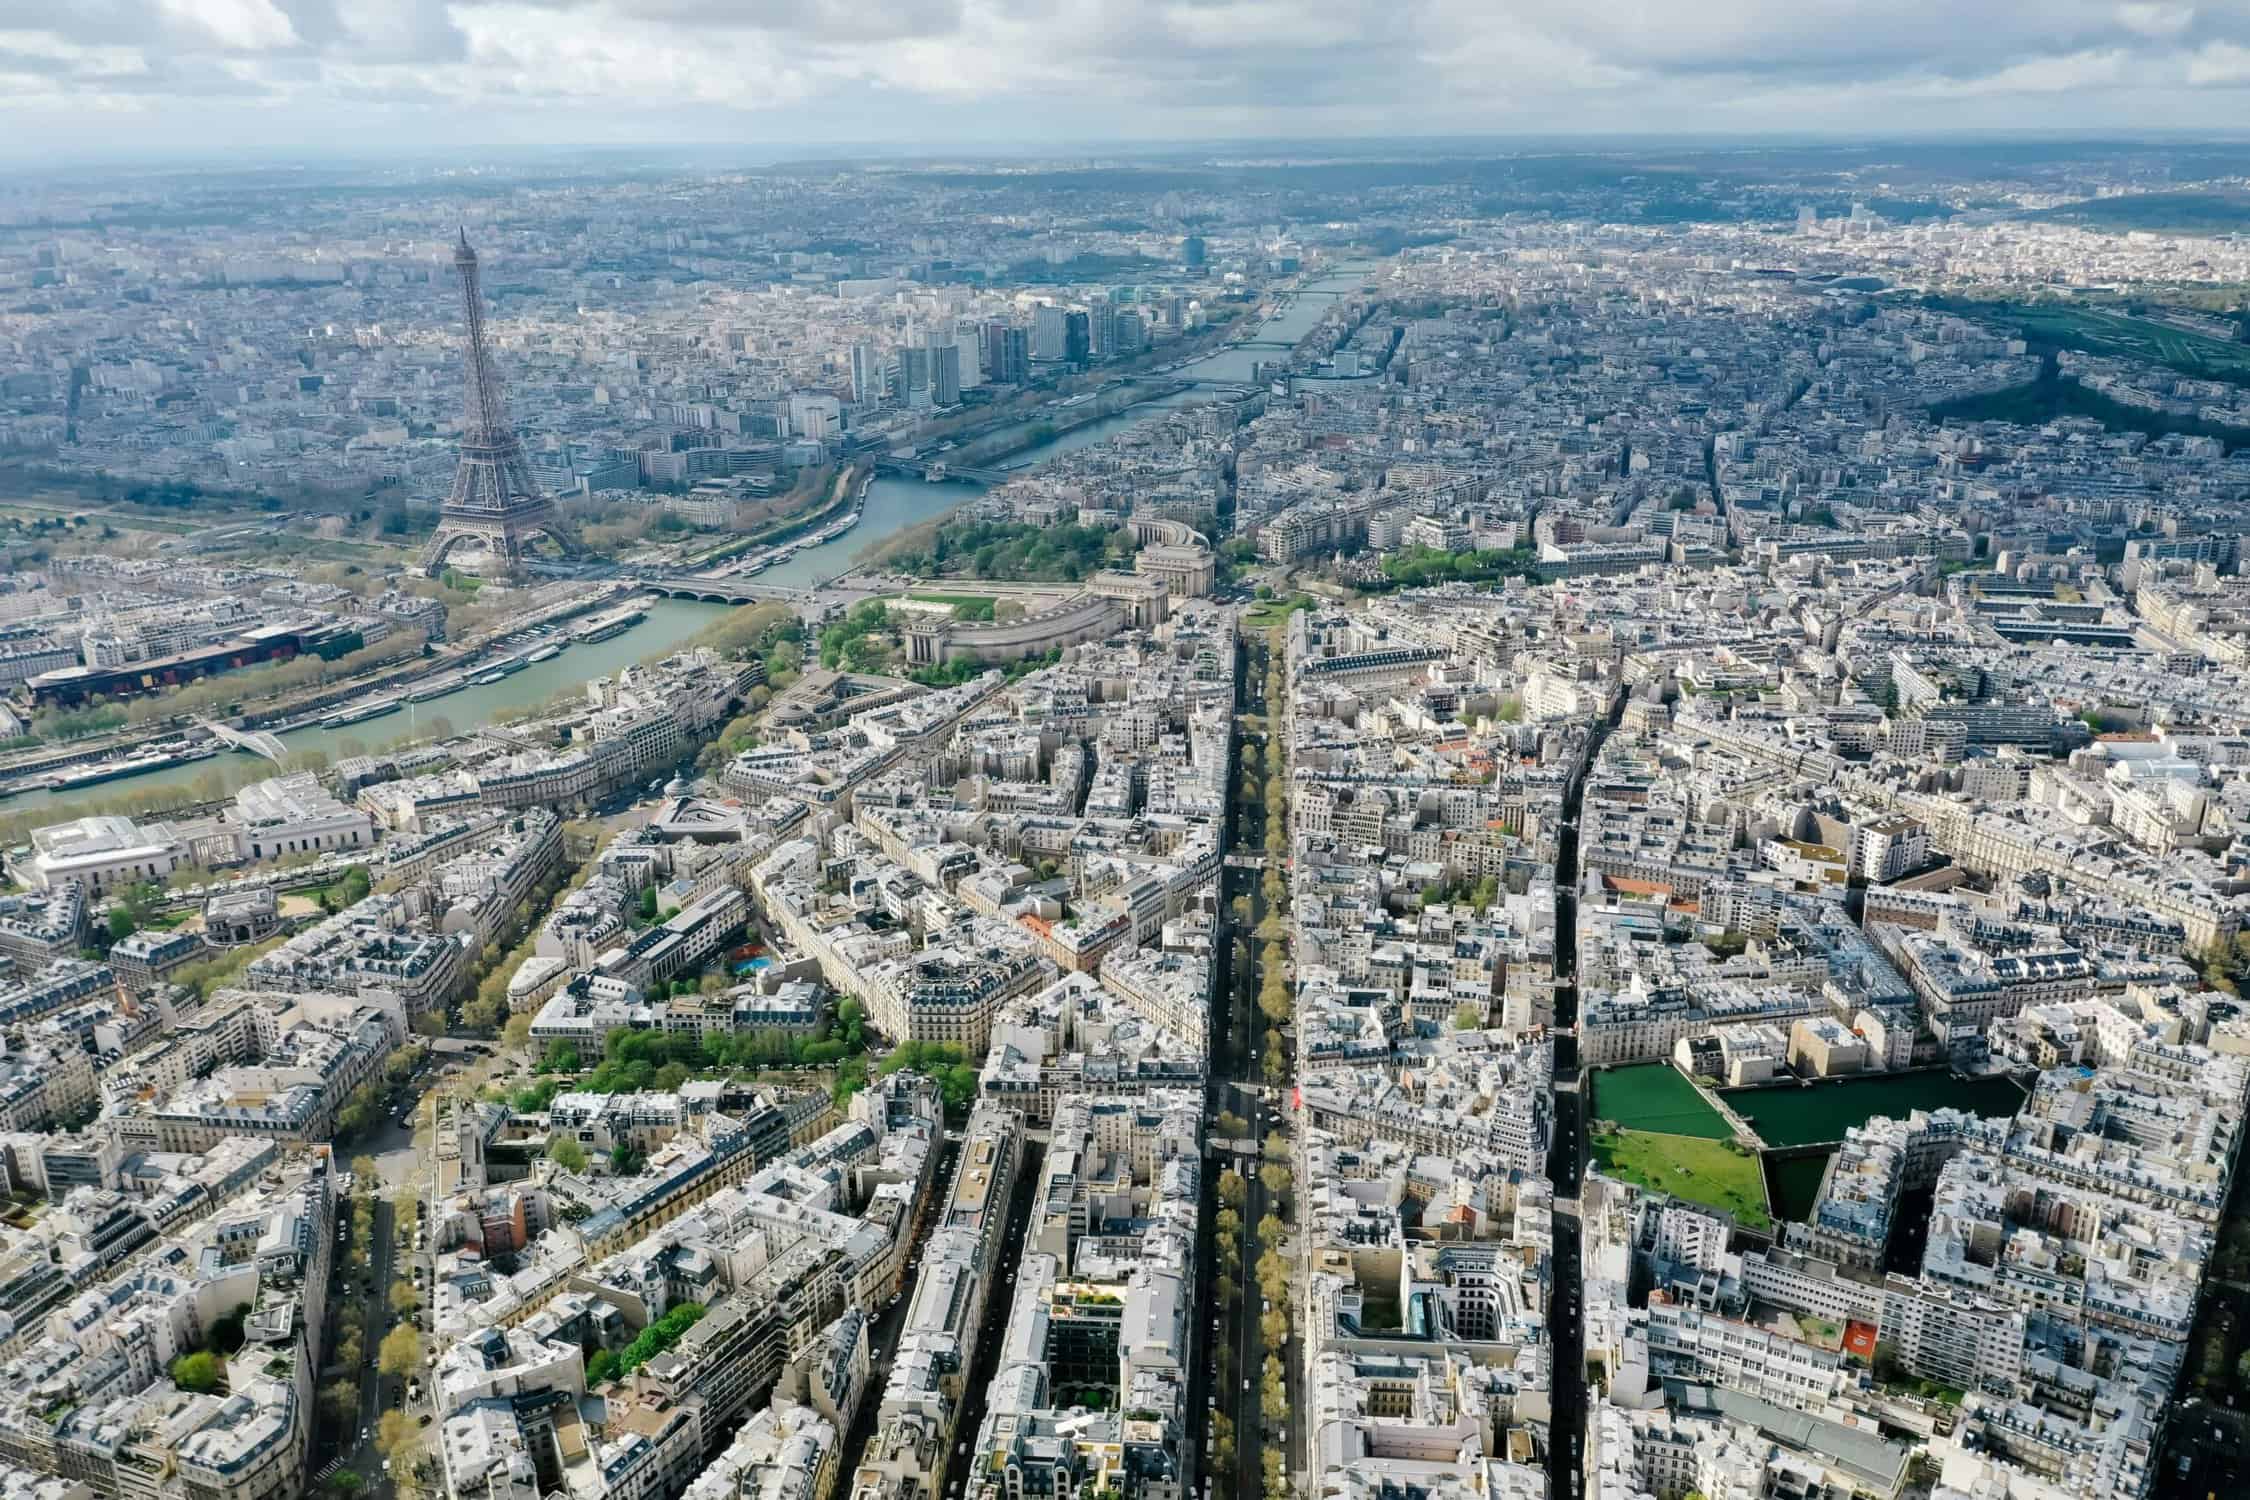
point(2101, 332)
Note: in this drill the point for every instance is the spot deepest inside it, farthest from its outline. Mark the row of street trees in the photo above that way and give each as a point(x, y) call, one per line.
point(1277, 1005)
point(1271, 1273)
point(398, 1352)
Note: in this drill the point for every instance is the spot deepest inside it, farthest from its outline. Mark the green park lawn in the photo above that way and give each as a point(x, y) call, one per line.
point(1688, 1167)
point(1267, 613)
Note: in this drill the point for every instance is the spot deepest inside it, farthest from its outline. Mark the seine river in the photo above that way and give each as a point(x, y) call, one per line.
point(669, 621)
point(893, 505)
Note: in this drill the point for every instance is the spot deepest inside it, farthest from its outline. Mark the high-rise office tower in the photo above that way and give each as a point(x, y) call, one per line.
point(815, 414)
point(945, 374)
point(1050, 332)
point(1004, 350)
point(992, 338)
point(1101, 328)
point(1006, 354)
point(867, 374)
point(914, 375)
point(1076, 338)
point(1129, 333)
point(1192, 251)
point(972, 359)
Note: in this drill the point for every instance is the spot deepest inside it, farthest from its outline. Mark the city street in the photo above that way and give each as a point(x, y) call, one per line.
point(1232, 1040)
point(359, 1454)
point(1008, 1255)
point(1236, 1086)
point(1566, 1154)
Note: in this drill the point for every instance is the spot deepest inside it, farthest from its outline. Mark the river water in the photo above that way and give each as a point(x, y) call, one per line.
point(669, 621)
point(893, 505)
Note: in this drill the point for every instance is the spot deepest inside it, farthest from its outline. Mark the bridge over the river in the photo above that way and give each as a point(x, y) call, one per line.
point(919, 468)
point(1238, 387)
point(720, 590)
point(256, 741)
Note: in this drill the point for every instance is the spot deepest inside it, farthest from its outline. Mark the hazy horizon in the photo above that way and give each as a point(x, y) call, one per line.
point(1277, 150)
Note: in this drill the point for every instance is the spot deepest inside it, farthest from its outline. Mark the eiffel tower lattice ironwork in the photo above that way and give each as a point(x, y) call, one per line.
point(496, 504)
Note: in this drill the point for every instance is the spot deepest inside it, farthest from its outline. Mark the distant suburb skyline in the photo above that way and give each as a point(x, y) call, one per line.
point(121, 76)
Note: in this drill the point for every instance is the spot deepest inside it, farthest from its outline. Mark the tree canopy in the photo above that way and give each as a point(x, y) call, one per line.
point(200, 1371)
point(1020, 551)
point(942, 1061)
point(1419, 567)
point(652, 1341)
point(400, 1353)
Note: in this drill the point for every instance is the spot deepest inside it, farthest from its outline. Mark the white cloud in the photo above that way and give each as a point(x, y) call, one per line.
point(398, 30)
point(2162, 21)
point(240, 25)
point(2039, 75)
point(2219, 64)
point(76, 56)
point(472, 70)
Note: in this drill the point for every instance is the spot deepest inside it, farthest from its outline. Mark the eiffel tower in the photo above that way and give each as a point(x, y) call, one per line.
point(496, 503)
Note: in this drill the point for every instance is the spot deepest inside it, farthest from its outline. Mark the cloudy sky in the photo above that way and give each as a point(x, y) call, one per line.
point(132, 76)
